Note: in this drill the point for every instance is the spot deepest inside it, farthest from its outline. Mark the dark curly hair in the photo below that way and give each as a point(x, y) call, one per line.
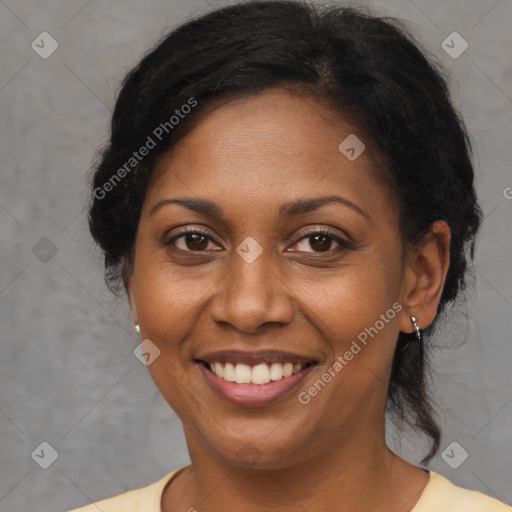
point(368, 68)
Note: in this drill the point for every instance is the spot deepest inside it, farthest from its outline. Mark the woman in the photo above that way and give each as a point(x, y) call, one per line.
point(287, 199)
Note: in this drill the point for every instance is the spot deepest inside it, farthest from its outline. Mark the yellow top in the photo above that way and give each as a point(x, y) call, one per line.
point(439, 495)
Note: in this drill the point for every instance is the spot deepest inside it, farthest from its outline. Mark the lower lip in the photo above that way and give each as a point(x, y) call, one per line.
point(254, 395)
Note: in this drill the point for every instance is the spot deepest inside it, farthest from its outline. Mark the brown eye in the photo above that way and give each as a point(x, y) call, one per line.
point(195, 241)
point(190, 241)
point(321, 241)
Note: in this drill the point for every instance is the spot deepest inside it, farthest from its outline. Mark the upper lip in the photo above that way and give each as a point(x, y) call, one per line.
point(254, 357)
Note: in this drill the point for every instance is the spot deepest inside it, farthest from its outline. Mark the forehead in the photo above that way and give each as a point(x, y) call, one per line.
point(270, 147)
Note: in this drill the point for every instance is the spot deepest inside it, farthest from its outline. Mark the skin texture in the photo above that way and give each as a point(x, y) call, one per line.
point(302, 295)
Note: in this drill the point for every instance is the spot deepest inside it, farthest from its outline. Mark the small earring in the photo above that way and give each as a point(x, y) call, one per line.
point(137, 328)
point(416, 328)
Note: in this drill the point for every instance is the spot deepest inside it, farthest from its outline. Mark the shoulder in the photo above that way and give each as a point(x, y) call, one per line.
point(441, 494)
point(145, 499)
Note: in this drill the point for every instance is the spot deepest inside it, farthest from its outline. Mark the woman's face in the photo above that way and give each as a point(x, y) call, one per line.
point(256, 283)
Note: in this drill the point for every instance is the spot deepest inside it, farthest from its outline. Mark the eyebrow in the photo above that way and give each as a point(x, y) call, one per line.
point(287, 210)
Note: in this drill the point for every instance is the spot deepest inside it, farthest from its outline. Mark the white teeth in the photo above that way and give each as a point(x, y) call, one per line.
point(218, 369)
point(242, 374)
point(276, 371)
point(258, 374)
point(229, 372)
point(287, 369)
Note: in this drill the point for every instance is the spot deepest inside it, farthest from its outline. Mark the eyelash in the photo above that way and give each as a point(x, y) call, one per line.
point(342, 243)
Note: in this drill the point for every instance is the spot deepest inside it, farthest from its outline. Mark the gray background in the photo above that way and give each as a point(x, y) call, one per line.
point(68, 375)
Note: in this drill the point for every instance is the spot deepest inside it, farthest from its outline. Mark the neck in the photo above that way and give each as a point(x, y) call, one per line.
point(358, 472)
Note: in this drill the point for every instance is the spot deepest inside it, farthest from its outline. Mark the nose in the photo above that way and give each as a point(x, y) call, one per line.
point(252, 294)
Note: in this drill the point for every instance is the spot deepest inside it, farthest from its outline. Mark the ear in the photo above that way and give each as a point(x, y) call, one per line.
point(425, 274)
point(127, 276)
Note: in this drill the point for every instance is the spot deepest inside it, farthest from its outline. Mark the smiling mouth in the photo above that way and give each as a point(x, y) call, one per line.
point(258, 374)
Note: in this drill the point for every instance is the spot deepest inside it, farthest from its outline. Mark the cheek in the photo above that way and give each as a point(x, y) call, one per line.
point(168, 297)
point(167, 306)
point(352, 299)
point(358, 314)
